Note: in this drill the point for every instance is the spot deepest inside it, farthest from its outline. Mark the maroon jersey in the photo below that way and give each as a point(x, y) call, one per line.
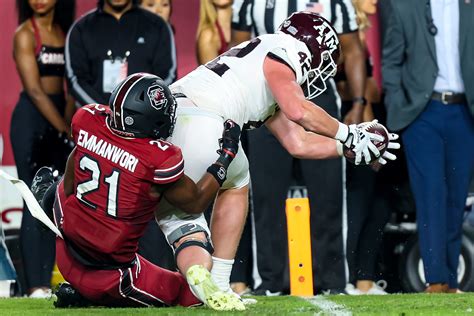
point(111, 205)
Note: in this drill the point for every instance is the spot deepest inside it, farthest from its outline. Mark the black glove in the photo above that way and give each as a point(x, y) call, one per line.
point(229, 143)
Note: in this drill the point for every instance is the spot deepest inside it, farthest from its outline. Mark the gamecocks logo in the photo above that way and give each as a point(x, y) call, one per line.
point(157, 97)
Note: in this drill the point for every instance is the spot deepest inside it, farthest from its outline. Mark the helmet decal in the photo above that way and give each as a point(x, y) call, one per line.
point(292, 29)
point(157, 97)
point(129, 120)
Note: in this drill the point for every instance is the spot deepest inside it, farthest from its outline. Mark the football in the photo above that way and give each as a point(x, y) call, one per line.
point(371, 127)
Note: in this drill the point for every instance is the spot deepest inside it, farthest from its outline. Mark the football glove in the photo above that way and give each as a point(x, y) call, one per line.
point(392, 144)
point(229, 143)
point(357, 138)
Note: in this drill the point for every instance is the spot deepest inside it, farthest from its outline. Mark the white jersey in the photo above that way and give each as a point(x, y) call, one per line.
point(234, 86)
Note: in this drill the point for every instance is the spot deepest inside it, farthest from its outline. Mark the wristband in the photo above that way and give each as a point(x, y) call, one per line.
point(218, 172)
point(339, 148)
point(342, 132)
point(360, 100)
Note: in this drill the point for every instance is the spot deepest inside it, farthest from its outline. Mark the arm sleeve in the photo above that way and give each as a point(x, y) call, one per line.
point(164, 62)
point(392, 59)
point(171, 169)
point(242, 15)
point(77, 69)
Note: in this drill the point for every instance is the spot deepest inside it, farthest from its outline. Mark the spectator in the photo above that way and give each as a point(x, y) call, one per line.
point(428, 75)
point(162, 8)
point(116, 39)
point(366, 222)
point(213, 34)
point(323, 178)
point(38, 50)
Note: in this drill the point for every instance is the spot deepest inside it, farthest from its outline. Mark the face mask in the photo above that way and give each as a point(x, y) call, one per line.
point(316, 78)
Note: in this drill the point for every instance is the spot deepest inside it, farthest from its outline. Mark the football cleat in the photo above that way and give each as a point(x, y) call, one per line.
point(67, 296)
point(204, 288)
point(41, 293)
point(43, 179)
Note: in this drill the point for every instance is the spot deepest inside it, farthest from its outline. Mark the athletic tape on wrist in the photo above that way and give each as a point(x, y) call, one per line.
point(342, 132)
point(339, 148)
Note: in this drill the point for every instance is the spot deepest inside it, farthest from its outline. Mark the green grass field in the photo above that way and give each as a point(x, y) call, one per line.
point(400, 304)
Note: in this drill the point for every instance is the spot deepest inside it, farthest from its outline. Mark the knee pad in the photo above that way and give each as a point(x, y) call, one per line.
point(206, 245)
point(187, 230)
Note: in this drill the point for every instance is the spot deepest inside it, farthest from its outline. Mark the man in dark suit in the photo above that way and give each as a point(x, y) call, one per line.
point(428, 76)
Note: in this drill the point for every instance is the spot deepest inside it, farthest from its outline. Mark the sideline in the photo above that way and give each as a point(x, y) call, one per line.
point(30, 200)
point(327, 307)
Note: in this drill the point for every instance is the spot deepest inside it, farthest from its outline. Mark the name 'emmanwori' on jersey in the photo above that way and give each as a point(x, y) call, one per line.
point(107, 150)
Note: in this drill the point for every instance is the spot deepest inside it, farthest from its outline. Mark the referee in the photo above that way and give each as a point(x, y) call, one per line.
point(323, 179)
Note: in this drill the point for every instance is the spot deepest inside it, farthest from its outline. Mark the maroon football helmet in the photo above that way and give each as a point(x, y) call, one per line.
point(321, 39)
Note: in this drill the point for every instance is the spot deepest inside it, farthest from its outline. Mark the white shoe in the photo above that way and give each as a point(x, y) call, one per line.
point(352, 290)
point(246, 301)
point(201, 284)
point(378, 288)
point(41, 293)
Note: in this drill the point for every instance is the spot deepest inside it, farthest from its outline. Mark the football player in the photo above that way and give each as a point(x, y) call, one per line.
point(267, 80)
point(119, 170)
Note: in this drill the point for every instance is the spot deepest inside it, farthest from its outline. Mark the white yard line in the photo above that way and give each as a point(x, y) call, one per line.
point(328, 307)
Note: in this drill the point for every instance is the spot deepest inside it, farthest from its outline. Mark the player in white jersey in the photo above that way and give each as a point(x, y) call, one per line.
point(267, 79)
point(237, 77)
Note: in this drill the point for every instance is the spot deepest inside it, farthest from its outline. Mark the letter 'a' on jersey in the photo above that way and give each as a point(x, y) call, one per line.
point(142, 106)
point(321, 39)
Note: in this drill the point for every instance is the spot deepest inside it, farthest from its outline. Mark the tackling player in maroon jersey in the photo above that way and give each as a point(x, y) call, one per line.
point(119, 170)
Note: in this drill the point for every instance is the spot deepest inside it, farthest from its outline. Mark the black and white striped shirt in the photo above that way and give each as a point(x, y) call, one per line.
point(264, 16)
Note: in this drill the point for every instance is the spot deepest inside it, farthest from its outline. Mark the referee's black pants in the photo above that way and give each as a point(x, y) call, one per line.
point(367, 215)
point(367, 212)
point(271, 170)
